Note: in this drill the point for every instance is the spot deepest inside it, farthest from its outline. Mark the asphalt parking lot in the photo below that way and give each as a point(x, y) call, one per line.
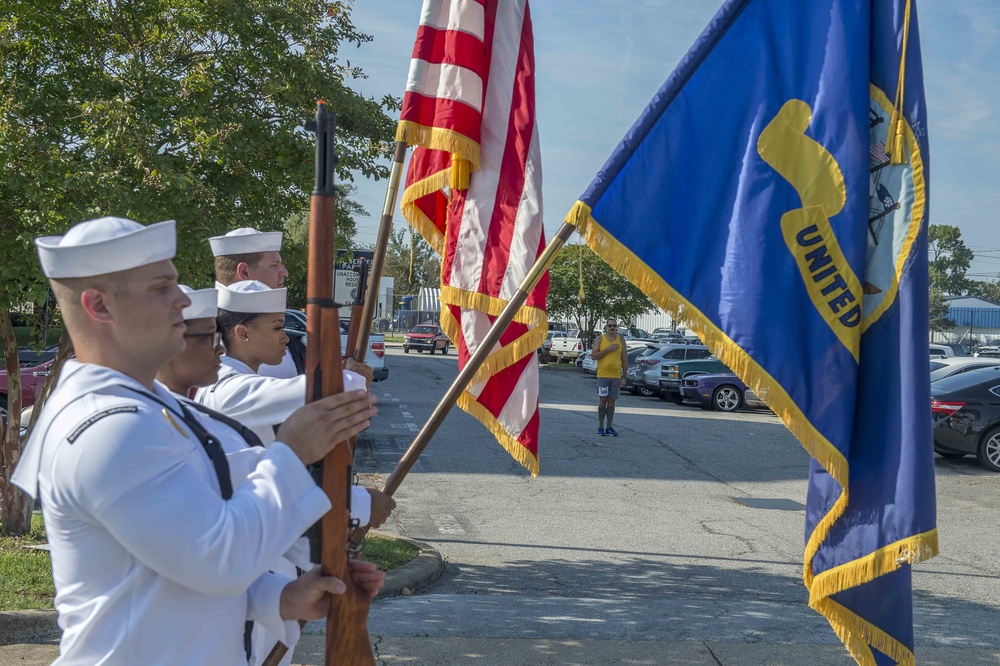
point(687, 527)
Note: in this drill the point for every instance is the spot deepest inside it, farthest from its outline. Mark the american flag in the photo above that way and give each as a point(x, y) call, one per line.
point(878, 155)
point(473, 189)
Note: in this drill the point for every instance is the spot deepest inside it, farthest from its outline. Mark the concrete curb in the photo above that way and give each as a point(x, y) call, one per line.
point(27, 626)
point(31, 626)
point(419, 572)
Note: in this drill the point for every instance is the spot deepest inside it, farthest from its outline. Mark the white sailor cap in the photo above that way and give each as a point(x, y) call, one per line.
point(245, 241)
point(253, 297)
point(105, 245)
point(204, 303)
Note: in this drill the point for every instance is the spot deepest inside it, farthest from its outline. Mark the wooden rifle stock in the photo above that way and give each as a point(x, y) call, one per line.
point(347, 641)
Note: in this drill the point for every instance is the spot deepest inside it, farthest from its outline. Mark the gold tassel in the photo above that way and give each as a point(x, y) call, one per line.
point(895, 140)
point(461, 170)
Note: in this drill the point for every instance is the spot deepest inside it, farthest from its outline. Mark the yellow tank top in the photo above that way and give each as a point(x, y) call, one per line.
point(611, 364)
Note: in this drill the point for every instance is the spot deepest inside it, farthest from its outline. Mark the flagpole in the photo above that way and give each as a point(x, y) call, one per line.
point(475, 362)
point(378, 261)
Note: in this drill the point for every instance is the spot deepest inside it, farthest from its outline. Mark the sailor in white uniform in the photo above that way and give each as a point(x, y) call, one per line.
point(248, 254)
point(251, 320)
point(151, 564)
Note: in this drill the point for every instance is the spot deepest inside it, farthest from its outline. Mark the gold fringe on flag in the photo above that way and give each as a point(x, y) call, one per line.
point(522, 455)
point(437, 138)
point(423, 224)
point(855, 632)
point(510, 353)
point(468, 403)
point(895, 139)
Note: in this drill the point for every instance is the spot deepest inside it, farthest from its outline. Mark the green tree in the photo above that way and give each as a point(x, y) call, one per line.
point(295, 242)
point(939, 312)
point(949, 259)
point(606, 293)
point(990, 290)
point(411, 262)
point(160, 109)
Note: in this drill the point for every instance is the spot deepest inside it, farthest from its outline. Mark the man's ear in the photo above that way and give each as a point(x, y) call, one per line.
point(95, 305)
point(243, 271)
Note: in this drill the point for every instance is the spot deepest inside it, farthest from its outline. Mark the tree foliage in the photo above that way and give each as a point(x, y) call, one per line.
point(426, 263)
point(295, 242)
point(606, 293)
point(939, 312)
point(949, 259)
point(173, 109)
point(988, 289)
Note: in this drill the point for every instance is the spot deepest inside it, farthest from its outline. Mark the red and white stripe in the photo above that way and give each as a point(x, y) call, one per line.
point(444, 87)
point(476, 57)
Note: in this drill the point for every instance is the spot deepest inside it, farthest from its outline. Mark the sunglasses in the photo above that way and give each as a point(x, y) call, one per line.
point(612, 326)
point(216, 337)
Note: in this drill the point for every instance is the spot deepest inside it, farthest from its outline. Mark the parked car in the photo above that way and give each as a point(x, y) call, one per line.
point(650, 365)
point(28, 357)
point(670, 338)
point(32, 378)
point(544, 352)
point(579, 359)
point(634, 334)
point(588, 363)
point(966, 412)
point(375, 357)
point(724, 392)
point(948, 349)
point(673, 374)
point(296, 320)
point(633, 371)
point(426, 336)
point(987, 352)
point(295, 327)
point(954, 365)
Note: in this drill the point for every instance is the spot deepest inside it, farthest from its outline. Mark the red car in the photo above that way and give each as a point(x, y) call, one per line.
point(426, 336)
point(32, 378)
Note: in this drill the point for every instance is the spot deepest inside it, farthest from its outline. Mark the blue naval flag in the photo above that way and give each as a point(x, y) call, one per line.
point(774, 196)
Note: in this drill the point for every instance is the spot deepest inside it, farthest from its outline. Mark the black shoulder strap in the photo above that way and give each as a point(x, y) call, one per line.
point(218, 457)
point(248, 435)
point(222, 379)
point(211, 445)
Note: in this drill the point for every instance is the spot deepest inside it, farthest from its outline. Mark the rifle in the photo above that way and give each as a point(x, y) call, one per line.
point(361, 347)
point(347, 624)
point(352, 348)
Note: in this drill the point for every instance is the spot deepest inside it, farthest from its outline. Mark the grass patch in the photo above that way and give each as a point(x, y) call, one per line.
point(394, 338)
point(388, 553)
point(26, 573)
point(26, 581)
point(562, 366)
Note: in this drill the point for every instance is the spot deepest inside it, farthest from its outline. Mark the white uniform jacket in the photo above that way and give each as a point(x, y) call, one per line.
point(260, 403)
point(151, 565)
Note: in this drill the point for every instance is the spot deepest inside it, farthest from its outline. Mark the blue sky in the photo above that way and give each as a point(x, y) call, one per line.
point(599, 64)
